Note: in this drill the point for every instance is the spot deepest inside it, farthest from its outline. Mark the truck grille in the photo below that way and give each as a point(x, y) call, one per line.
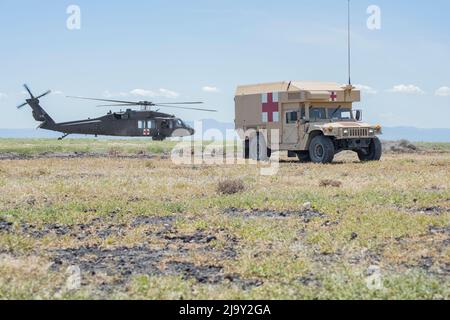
point(358, 132)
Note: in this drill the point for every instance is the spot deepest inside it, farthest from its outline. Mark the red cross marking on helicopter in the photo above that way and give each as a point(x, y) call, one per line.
point(146, 132)
point(333, 96)
point(270, 107)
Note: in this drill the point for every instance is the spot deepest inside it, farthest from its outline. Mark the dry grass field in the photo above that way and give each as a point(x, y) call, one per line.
point(138, 226)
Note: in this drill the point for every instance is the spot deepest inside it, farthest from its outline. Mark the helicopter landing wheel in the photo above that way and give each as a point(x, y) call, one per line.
point(159, 138)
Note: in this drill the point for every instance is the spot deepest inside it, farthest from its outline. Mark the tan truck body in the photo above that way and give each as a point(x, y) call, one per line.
point(301, 110)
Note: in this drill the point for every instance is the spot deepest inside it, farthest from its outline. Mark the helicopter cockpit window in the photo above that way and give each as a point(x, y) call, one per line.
point(180, 124)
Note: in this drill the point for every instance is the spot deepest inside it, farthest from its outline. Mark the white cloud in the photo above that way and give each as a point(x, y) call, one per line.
point(168, 93)
point(365, 89)
point(443, 92)
point(165, 93)
point(210, 89)
point(406, 88)
point(108, 94)
point(143, 93)
point(161, 93)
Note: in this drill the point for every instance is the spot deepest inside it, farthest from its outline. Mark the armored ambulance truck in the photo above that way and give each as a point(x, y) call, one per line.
point(315, 121)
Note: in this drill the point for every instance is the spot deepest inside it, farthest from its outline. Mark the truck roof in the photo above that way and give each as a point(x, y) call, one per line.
point(290, 86)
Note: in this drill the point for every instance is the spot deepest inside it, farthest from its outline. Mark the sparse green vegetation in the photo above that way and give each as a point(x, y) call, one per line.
point(145, 228)
point(31, 147)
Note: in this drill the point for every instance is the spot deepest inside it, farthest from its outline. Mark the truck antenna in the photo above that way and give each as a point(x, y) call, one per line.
point(349, 47)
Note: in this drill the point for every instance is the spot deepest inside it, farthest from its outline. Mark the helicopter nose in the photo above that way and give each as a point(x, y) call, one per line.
point(191, 131)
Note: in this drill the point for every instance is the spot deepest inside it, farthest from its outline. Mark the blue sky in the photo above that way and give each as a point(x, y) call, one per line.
point(202, 49)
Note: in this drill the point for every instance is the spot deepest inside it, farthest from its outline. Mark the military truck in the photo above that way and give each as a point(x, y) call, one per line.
point(315, 121)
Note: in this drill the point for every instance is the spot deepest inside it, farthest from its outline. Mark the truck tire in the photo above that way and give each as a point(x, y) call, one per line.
point(303, 156)
point(373, 153)
point(258, 148)
point(321, 150)
point(247, 149)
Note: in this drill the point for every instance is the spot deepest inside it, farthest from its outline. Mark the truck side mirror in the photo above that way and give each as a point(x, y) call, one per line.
point(358, 115)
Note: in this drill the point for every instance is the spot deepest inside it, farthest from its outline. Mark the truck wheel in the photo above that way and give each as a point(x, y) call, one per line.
point(321, 150)
point(303, 156)
point(373, 153)
point(258, 148)
point(247, 149)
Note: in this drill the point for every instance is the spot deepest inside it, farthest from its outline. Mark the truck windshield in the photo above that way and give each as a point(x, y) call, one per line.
point(340, 114)
point(316, 114)
point(333, 114)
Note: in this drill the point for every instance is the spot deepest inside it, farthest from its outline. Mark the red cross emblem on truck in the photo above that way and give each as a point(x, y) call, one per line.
point(270, 106)
point(333, 96)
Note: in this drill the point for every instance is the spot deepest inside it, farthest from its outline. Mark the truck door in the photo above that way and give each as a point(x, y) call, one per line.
point(291, 126)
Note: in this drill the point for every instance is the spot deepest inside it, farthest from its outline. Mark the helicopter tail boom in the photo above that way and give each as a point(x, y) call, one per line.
point(39, 113)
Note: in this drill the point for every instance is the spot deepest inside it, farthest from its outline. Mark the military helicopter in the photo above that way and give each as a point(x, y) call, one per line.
point(129, 123)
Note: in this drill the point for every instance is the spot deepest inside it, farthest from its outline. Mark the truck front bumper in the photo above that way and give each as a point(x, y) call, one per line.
point(353, 143)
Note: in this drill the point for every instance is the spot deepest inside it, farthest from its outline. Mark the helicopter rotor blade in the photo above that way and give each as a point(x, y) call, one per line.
point(173, 103)
point(29, 91)
point(121, 103)
point(104, 100)
point(116, 105)
point(184, 108)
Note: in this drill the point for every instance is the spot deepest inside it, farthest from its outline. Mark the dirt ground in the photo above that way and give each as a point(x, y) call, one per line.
point(116, 225)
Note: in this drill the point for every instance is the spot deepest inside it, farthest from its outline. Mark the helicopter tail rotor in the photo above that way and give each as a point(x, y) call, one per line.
point(39, 113)
point(29, 91)
point(33, 98)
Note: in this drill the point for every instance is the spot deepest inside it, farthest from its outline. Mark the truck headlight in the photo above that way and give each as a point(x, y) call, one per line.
point(345, 132)
point(371, 132)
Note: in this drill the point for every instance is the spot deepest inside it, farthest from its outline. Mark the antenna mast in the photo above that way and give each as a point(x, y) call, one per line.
point(349, 48)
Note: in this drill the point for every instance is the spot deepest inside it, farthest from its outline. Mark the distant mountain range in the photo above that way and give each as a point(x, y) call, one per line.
point(390, 133)
point(416, 134)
